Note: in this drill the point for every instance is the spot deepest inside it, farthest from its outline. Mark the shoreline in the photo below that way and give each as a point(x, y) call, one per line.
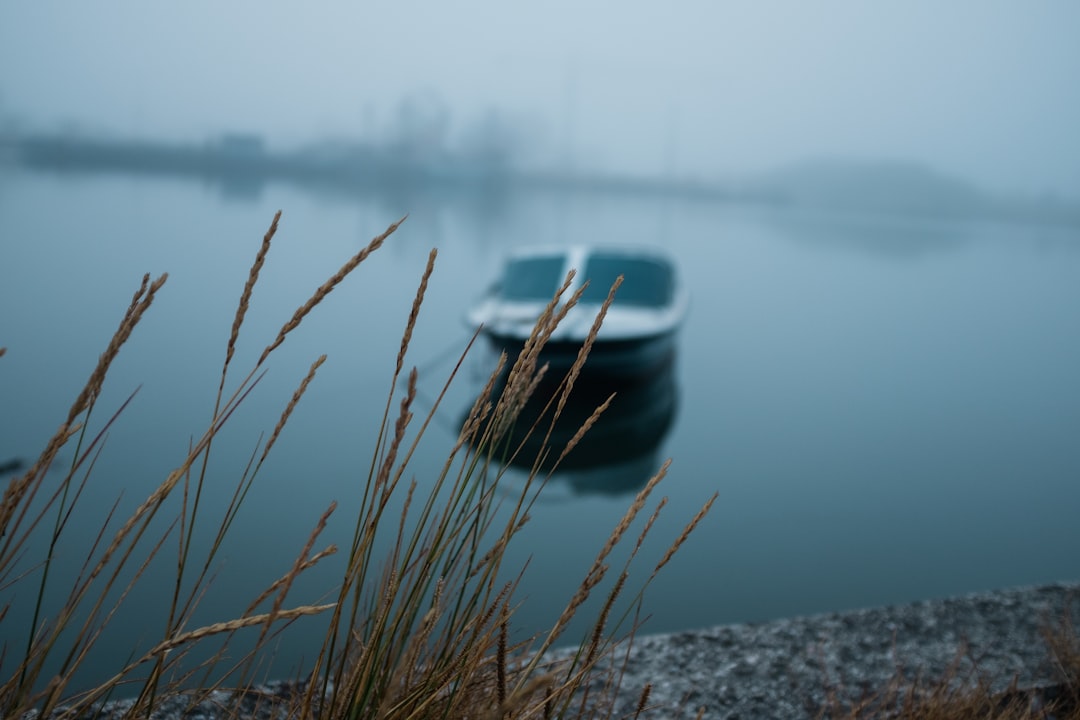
point(784, 669)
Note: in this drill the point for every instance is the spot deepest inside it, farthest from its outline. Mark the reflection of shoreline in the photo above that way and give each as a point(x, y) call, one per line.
point(241, 165)
point(620, 451)
point(242, 161)
point(880, 235)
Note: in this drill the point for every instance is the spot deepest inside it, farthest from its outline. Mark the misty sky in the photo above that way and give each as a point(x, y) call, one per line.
point(982, 89)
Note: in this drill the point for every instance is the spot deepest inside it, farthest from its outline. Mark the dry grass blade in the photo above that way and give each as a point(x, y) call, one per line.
point(326, 288)
point(521, 372)
point(513, 401)
point(481, 408)
point(140, 303)
point(91, 634)
point(245, 296)
point(415, 655)
point(281, 587)
point(685, 533)
point(404, 417)
point(585, 426)
point(599, 567)
point(414, 312)
point(648, 525)
point(632, 512)
point(501, 659)
point(586, 347)
point(303, 562)
point(592, 579)
point(643, 701)
point(601, 621)
point(193, 636)
point(18, 491)
point(299, 393)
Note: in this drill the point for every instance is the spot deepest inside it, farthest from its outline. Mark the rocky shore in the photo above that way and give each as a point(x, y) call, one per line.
point(786, 669)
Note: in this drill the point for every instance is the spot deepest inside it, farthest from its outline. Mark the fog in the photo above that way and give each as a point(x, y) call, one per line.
point(984, 91)
point(875, 207)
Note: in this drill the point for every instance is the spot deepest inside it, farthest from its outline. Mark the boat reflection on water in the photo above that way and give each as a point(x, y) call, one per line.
point(620, 452)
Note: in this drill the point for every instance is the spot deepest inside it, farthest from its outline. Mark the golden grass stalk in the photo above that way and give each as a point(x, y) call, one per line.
point(287, 412)
point(192, 636)
point(648, 525)
point(601, 621)
point(501, 658)
point(414, 311)
point(245, 295)
point(140, 303)
point(371, 506)
point(326, 288)
point(190, 518)
point(643, 701)
point(16, 493)
point(21, 492)
point(424, 631)
point(585, 427)
point(320, 293)
point(521, 377)
point(586, 347)
point(303, 561)
point(685, 534)
point(129, 536)
point(522, 387)
point(448, 528)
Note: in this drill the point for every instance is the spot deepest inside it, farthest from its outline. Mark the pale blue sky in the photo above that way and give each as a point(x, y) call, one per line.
point(983, 89)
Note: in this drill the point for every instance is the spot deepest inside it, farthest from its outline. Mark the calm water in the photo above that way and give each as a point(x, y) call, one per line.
point(889, 409)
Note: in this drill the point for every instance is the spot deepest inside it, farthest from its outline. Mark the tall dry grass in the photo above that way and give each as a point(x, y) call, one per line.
point(420, 631)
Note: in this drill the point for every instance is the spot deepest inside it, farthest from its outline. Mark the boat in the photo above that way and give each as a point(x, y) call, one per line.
point(638, 333)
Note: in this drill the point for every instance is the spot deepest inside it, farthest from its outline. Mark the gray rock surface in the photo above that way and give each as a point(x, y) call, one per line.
point(786, 668)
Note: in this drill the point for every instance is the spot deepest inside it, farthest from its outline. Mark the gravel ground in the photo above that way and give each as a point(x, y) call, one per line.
point(784, 669)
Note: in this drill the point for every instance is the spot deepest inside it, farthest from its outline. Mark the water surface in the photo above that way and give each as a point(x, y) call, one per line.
point(888, 407)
